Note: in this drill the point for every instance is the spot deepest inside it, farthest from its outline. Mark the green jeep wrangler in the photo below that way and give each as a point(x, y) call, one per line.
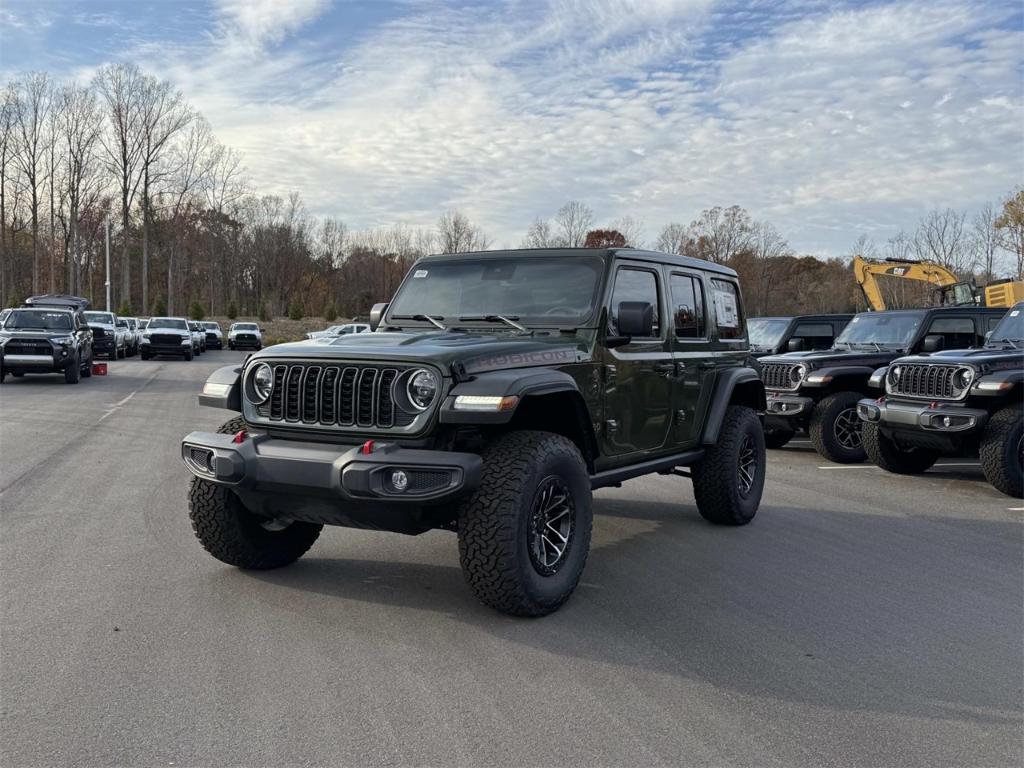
point(497, 391)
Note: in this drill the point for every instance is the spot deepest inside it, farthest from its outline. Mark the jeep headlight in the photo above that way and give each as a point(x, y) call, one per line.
point(260, 384)
point(797, 373)
point(421, 388)
point(962, 380)
point(892, 378)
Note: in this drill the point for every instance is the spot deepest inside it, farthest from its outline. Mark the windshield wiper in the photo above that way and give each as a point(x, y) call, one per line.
point(508, 320)
point(423, 319)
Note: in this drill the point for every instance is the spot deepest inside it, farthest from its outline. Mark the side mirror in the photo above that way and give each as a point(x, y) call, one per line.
point(795, 345)
point(933, 343)
point(636, 318)
point(377, 314)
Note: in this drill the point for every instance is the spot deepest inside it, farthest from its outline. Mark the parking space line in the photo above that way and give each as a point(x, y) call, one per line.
point(964, 464)
point(850, 466)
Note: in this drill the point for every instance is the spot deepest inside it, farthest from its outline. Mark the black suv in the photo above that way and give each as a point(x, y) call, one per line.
point(497, 391)
point(49, 334)
point(965, 403)
point(818, 391)
point(774, 335)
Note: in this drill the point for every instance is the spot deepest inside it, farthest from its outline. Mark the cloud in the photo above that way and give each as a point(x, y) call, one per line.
point(828, 119)
point(260, 21)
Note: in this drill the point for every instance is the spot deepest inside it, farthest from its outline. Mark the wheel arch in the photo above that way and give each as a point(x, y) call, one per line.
point(735, 386)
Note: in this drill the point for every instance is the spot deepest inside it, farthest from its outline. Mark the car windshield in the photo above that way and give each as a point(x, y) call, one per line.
point(121, 323)
point(766, 332)
point(211, 326)
point(244, 326)
point(1011, 327)
point(100, 317)
point(881, 329)
point(167, 322)
point(545, 291)
point(24, 319)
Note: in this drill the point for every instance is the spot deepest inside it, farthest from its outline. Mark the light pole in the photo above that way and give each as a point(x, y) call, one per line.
point(106, 231)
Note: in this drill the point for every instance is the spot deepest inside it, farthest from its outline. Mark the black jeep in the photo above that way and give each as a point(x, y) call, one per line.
point(497, 391)
point(818, 391)
point(47, 335)
point(775, 335)
point(962, 403)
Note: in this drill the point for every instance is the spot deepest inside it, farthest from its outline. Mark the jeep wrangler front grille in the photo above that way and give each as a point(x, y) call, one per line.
point(934, 382)
point(356, 396)
point(777, 375)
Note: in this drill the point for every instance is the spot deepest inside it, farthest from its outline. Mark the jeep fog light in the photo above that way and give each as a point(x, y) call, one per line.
point(485, 403)
point(399, 480)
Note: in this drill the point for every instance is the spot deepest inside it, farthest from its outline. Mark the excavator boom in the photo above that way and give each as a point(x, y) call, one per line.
point(867, 271)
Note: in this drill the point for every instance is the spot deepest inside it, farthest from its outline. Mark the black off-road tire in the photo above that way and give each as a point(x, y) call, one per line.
point(494, 523)
point(233, 535)
point(823, 428)
point(87, 368)
point(144, 355)
point(73, 373)
point(720, 496)
point(886, 454)
point(776, 438)
point(1002, 444)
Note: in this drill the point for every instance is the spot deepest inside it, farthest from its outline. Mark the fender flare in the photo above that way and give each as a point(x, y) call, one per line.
point(518, 382)
point(725, 385)
point(223, 389)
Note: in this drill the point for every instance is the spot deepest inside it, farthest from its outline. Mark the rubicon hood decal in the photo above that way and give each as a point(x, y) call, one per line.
point(524, 359)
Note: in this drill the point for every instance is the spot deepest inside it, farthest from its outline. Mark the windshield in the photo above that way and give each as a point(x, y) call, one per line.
point(100, 317)
point(211, 326)
point(881, 328)
point(536, 290)
point(766, 332)
point(167, 322)
point(37, 319)
point(244, 327)
point(1011, 327)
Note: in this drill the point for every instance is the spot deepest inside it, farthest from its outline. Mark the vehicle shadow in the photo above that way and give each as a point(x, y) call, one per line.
point(797, 606)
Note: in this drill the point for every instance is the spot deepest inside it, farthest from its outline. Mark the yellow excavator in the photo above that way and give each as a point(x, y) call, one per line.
point(948, 292)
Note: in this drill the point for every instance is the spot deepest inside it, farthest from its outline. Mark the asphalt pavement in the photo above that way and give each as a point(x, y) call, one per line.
point(861, 619)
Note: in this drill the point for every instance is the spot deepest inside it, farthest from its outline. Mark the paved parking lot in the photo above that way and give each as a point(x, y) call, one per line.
point(863, 618)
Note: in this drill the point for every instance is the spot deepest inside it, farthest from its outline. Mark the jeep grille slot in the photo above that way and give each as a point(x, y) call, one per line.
point(777, 375)
point(934, 382)
point(359, 397)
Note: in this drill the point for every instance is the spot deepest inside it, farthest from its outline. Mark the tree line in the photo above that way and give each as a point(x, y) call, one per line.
point(190, 229)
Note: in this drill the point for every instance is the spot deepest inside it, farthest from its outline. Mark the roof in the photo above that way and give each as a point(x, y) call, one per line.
point(954, 310)
point(61, 300)
point(820, 316)
point(628, 253)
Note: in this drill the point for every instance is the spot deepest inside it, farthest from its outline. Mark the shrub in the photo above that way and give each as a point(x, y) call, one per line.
point(125, 310)
point(159, 307)
point(264, 314)
point(232, 311)
point(295, 311)
point(13, 301)
point(330, 313)
point(195, 311)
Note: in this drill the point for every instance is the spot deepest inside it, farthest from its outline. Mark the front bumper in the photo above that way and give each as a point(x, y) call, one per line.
point(786, 411)
point(246, 343)
point(330, 483)
point(58, 360)
point(214, 342)
point(165, 349)
point(932, 425)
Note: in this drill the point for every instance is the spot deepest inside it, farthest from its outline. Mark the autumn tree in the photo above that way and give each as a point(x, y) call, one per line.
point(1009, 225)
point(604, 238)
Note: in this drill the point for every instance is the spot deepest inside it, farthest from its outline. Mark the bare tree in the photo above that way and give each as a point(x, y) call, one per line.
point(985, 240)
point(457, 234)
point(121, 87)
point(162, 114)
point(79, 126)
point(767, 248)
point(31, 108)
point(721, 234)
point(942, 237)
point(7, 149)
point(540, 235)
point(632, 230)
point(673, 238)
point(1010, 228)
point(573, 221)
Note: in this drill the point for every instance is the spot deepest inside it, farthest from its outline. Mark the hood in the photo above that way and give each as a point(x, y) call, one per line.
point(820, 358)
point(104, 326)
point(474, 352)
point(28, 333)
point(992, 355)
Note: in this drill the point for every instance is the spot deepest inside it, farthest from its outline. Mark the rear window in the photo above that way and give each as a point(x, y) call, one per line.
point(725, 298)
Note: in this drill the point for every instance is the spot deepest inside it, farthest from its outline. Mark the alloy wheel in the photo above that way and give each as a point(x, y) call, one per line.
point(847, 429)
point(550, 527)
point(746, 469)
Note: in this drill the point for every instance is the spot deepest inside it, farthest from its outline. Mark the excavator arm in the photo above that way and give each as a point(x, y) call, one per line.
point(866, 272)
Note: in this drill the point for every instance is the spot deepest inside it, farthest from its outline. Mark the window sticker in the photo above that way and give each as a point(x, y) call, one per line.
point(726, 312)
point(419, 273)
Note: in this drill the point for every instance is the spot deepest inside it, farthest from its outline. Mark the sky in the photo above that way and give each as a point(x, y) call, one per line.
point(829, 119)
